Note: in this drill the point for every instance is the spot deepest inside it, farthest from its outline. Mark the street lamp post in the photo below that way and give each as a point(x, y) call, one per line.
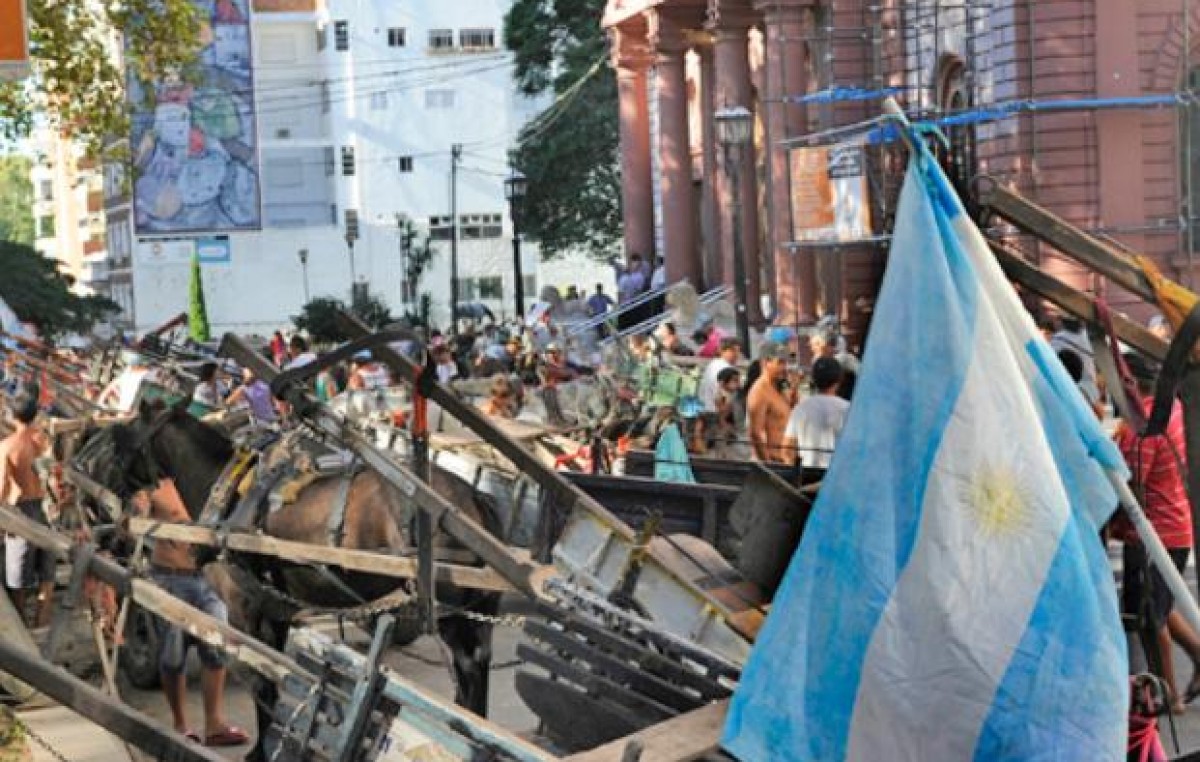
point(404, 226)
point(515, 186)
point(303, 254)
point(733, 127)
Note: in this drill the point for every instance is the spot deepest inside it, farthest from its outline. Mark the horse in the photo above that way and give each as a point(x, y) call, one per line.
point(170, 443)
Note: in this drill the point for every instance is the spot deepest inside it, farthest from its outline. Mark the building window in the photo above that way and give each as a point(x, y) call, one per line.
point(46, 190)
point(488, 287)
point(406, 164)
point(441, 228)
point(441, 39)
point(46, 226)
point(325, 98)
point(348, 161)
point(341, 35)
point(379, 101)
point(477, 39)
point(322, 38)
point(529, 285)
point(475, 227)
point(396, 37)
point(952, 98)
point(439, 99)
point(330, 162)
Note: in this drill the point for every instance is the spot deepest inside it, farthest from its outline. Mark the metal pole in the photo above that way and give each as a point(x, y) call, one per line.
point(733, 156)
point(353, 271)
point(518, 277)
point(455, 156)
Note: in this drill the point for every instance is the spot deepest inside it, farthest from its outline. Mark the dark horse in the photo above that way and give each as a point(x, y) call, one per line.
point(172, 444)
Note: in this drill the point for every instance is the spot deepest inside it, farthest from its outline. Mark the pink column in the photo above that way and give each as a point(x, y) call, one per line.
point(786, 25)
point(680, 252)
point(732, 88)
point(632, 59)
point(709, 207)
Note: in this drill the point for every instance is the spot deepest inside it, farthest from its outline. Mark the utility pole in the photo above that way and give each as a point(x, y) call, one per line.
point(455, 158)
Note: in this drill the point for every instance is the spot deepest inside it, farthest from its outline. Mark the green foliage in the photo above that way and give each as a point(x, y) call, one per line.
point(40, 294)
point(197, 311)
point(418, 255)
point(16, 200)
point(319, 317)
point(570, 153)
point(77, 82)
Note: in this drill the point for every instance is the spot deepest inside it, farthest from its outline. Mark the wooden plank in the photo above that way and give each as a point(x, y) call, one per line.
point(1077, 303)
point(1062, 235)
point(477, 578)
point(680, 739)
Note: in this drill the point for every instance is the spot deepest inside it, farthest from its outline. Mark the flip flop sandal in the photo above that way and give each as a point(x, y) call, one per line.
point(230, 736)
point(192, 736)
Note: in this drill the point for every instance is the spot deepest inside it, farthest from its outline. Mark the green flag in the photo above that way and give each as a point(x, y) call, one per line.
point(197, 314)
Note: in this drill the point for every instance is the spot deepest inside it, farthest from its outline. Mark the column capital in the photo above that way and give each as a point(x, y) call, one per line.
point(666, 35)
point(730, 17)
point(783, 11)
point(629, 49)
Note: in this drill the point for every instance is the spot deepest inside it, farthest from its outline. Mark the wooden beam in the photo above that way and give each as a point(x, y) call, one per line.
point(110, 713)
point(477, 578)
point(1077, 303)
point(680, 739)
point(1068, 239)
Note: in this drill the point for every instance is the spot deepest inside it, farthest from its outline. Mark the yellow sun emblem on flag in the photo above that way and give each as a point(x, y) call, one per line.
point(999, 503)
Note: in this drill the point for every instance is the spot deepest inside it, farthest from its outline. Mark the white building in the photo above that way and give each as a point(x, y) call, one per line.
point(68, 209)
point(359, 104)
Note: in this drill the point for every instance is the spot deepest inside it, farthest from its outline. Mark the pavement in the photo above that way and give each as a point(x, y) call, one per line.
point(421, 662)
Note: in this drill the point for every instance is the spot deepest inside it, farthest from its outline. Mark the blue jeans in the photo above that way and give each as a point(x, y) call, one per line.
point(191, 588)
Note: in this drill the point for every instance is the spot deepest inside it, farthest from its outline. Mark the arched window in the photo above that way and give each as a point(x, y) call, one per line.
point(953, 98)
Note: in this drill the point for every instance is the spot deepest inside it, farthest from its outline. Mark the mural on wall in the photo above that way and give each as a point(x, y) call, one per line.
point(194, 143)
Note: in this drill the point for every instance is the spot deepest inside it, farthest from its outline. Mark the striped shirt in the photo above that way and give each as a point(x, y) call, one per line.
point(1158, 465)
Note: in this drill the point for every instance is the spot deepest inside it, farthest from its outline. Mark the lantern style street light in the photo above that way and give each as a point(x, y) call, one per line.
point(515, 186)
point(734, 126)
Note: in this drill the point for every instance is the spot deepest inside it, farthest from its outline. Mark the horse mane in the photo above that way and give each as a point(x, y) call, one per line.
point(207, 438)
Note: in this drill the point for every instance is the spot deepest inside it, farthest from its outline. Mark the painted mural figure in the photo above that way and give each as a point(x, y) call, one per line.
point(194, 143)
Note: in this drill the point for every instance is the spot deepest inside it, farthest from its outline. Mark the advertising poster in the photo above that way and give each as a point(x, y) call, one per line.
point(194, 143)
point(830, 200)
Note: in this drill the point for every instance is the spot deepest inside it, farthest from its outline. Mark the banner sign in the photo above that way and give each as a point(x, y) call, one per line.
point(166, 251)
point(14, 39)
point(830, 199)
point(195, 143)
point(213, 250)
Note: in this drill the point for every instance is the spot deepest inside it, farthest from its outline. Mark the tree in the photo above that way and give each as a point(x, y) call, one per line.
point(35, 289)
point(319, 317)
point(77, 81)
point(197, 311)
point(16, 200)
point(570, 153)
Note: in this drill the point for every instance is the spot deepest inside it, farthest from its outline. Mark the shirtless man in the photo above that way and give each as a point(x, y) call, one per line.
point(174, 568)
point(768, 406)
point(502, 402)
point(25, 566)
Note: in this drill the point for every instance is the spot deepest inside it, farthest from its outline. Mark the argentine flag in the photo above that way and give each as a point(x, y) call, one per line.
point(950, 600)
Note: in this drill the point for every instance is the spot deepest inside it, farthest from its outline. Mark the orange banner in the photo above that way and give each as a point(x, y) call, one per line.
point(285, 6)
point(14, 47)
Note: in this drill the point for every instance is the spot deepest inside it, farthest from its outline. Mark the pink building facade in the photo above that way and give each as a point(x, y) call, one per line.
point(1107, 161)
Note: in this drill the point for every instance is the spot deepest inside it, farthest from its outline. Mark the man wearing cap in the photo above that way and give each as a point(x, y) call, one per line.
point(555, 368)
point(817, 421)
point(769, 405)
point(1158, 468)
point(366, 374)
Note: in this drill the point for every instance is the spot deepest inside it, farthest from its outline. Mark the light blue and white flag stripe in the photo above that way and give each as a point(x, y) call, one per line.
point(950, 599)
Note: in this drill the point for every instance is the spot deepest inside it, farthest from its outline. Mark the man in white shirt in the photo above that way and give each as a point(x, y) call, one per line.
point(816, 422)
point(710, 386)
point(298, 354)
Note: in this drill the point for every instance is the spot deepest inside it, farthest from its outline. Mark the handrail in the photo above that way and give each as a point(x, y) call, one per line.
point(707, 298)
point(641, 299)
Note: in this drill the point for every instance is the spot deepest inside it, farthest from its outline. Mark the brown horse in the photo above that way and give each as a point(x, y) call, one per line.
point(172, 444)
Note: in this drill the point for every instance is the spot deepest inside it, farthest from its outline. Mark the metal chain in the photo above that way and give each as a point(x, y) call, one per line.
point(500, 620)
point(33, 736)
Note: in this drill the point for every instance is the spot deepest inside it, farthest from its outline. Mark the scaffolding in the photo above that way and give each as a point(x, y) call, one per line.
point(943, 61)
